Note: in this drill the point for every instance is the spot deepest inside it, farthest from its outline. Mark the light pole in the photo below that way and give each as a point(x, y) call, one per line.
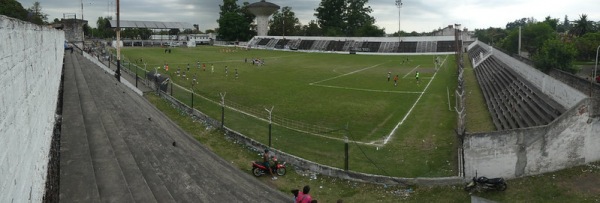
point(399, 5)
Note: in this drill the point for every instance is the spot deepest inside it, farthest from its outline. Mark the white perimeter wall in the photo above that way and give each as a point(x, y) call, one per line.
point(31, 59)
point(568, 141)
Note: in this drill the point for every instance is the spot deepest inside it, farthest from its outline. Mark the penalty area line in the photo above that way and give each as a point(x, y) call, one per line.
point(411, 71)
point(350, 73)
point(411, 108)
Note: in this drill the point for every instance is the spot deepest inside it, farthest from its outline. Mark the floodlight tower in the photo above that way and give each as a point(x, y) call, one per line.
point(399, 5)
point(262, 10)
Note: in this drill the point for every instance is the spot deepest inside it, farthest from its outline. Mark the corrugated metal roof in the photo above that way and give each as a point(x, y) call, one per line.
point(151, 24)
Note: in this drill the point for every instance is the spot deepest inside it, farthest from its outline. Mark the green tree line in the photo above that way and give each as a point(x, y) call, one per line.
point(14, 9)
point(550, 43)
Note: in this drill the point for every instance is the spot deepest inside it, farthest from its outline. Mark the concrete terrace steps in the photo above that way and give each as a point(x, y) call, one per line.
point(186, 172)
point(135, 178)
point(76, 160)
point(109, 175)
point(141, 138)
point(512, 102)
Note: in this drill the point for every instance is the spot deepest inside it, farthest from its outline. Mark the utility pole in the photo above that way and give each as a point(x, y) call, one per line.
point(519, 51)
point(595, 68)
point(118, 73)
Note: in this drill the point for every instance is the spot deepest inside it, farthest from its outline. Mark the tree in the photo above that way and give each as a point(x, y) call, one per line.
point(331, 17)
point(174, 32)
point(533, 37)
point(36, 15)
point(249, 18)
point(520, 23)
point(137, 33)
point(565, 26)
point(103, 28)
point(14, 9)
point(346, 18)
point(357, 16)
point(582, 26)
point(145, 33)
point(87, 30)
point(312, 29)
point(586, 46)
point(555, 54)
point(553, 22)
point(234, 22)
point(490, 35)
point(284, 23)
point(370, 31)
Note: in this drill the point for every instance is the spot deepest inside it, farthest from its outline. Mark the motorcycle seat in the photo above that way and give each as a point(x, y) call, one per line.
point(495, 180)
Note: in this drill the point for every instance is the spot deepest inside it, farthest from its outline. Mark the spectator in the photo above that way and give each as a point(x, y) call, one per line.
point(68, 47)
point(598, 79)
point(304, 197)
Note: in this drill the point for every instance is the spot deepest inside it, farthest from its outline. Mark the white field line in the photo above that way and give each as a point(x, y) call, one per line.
point(265, 120)
point(366, 90)
point(411, 71)
point(411, 108)
point(350, 73)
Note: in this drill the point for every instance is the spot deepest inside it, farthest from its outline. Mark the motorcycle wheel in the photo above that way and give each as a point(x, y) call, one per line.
point(281, 171)
point(502, 187)
point(256, 172)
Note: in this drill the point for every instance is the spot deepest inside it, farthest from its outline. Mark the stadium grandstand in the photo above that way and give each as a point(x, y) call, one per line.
point(164, 40)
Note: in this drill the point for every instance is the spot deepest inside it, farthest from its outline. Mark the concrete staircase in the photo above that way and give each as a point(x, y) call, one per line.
point(117, 147)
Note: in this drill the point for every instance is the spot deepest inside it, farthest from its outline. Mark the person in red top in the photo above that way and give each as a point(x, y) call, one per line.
point(598, 79)
point(303, 196)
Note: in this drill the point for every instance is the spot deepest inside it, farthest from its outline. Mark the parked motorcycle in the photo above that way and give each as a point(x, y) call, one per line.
point(483, 183)
point(258, 169)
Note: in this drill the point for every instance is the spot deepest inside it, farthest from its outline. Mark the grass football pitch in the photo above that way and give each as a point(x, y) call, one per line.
point(319, 99)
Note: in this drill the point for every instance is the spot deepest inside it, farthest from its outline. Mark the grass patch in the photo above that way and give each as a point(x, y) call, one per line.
point(329, 91)
point(478, 117)
point(578, 184)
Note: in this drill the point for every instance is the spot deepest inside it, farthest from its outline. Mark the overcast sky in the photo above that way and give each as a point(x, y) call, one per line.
point(416, 15)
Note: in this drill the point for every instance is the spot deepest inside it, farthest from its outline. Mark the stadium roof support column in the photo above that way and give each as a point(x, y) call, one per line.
point(262, 10)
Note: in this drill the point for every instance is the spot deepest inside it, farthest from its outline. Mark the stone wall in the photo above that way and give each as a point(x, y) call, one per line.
point(31, 59)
